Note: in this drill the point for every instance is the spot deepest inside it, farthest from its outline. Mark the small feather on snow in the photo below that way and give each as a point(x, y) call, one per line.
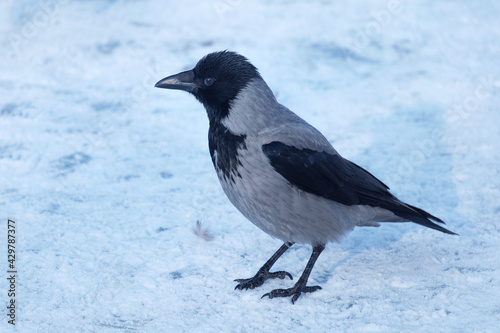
point(202, 232)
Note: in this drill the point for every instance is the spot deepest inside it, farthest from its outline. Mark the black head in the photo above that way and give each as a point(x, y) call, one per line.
point(216, 80)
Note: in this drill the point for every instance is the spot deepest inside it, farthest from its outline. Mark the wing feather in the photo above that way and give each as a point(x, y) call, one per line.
point(333, 177)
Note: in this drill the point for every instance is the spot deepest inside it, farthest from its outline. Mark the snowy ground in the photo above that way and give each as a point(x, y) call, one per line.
point(106, 176)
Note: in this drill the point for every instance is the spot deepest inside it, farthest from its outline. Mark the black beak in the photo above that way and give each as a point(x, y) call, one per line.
point(182, 81)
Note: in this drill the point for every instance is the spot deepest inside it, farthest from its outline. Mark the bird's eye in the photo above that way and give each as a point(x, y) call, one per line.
point(209, 81)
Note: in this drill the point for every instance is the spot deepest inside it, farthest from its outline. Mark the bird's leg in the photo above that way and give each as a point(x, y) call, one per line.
point(300, 286)
point(263, 273)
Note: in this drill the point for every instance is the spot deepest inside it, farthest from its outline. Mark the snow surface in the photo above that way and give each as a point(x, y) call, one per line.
point(106, 176)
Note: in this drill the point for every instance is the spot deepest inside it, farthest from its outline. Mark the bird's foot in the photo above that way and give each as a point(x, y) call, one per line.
point(295, 291)
point(259, 278)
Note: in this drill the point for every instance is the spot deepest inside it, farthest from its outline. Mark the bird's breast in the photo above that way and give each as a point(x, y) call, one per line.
point(267, 199)
point(225, 148)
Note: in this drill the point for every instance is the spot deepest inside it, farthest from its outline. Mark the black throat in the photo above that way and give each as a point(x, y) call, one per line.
point(224, 147)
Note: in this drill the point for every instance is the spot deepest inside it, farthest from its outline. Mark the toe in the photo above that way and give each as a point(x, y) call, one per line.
point(280, 275)
point(311, 289)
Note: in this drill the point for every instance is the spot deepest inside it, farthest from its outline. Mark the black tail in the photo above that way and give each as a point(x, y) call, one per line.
point(421, 217)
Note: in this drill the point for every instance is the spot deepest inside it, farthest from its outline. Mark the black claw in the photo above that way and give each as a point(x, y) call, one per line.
point(259, 279)
point(295, 292)
point(264, 274)
point(280, 274)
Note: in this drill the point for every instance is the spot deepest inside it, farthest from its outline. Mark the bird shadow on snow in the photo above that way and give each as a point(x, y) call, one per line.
point(408, 155)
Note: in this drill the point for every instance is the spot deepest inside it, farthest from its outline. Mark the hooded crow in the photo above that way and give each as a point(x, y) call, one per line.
point(280, 172)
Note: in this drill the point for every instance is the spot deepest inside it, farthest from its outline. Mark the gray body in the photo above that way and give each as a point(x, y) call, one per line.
point(265, 197)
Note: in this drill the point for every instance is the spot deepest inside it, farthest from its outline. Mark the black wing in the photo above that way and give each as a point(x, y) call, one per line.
point(335, 178)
